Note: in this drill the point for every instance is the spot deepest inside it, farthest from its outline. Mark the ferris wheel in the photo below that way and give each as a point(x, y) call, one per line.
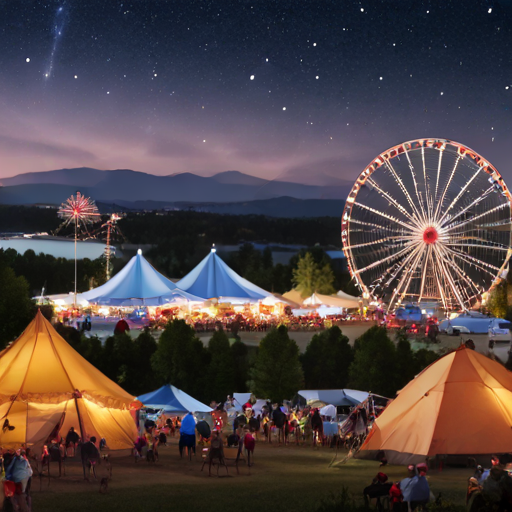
point(428, 220)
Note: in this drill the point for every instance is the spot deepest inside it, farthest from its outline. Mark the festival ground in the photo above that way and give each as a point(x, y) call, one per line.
point(283, 477)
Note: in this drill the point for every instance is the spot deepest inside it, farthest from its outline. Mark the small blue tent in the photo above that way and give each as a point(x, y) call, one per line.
point(213, 279)
point(172, 400)
point(138, 284)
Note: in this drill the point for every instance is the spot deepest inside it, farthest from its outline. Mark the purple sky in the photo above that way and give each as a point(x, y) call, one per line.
point(279, 89)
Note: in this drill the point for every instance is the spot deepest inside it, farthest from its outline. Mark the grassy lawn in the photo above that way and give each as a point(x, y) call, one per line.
point(284, 477)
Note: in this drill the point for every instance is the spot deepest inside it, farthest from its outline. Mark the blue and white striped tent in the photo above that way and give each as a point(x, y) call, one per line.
point(213, 279)
point(138, 284)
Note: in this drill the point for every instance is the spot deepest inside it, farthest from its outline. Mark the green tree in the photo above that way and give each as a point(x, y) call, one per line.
point(277, 373)
point(180, 359)
point(16, 308)
point(497, 303)
point(374, 367)
point(406, 363)
point(304, 276)
point(240, 357)
point(423, 358)
point(310, 276)
point(144, 346)
point(221, 371)
point(327, 360)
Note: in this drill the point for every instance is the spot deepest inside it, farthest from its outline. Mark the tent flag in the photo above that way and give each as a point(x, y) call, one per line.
point(212, 278)
point(459, 405)
point(44, 382)
point(172, 400)
point(138, 284)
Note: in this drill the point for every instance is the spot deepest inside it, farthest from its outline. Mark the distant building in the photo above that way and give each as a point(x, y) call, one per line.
point(59, 247)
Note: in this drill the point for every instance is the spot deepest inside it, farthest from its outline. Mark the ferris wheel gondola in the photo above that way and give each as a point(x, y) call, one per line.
point(429, 219)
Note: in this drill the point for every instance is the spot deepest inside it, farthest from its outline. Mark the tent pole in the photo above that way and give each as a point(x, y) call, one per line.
point(80, 423)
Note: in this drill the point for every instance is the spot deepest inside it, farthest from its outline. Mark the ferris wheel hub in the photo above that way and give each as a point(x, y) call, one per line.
point(430, 235)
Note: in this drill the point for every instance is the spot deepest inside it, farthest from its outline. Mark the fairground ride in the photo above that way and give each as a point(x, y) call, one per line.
point(428, 220)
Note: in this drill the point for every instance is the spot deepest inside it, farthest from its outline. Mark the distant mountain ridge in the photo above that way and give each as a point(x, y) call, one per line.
point(125, 185)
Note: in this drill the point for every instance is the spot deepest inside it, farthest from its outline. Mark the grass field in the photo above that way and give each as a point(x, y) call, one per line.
point(286, 478)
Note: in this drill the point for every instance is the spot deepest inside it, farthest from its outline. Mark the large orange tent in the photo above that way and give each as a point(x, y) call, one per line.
point(459, 405)
point(46, 385)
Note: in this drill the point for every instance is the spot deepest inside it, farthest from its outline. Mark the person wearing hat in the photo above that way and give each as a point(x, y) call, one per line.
point(405, 484)
point(379, 488)
point(419, 490)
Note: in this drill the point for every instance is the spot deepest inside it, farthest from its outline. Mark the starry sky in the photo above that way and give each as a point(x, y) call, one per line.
point(307, 91)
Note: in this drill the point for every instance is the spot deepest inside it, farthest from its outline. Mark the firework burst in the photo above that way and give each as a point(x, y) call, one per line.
point(79, 210)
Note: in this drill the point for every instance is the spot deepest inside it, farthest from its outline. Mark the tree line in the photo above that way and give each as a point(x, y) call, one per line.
point(274, 370)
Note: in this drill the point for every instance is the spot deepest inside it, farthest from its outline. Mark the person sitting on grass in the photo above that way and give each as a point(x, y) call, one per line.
point(379, 488)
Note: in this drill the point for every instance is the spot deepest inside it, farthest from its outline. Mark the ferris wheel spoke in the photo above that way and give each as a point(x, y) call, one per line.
point(374, 225)
point(441, 151)
point(428, 196)
point(447, 275)
point(374, 242)
point(411, 167)
point(459, 195)
point(478, 200)
point(403, 188)
point(494, 247)
point(405, 250)
point(424, 272)
point(450, 227)
point(384, 215)
point(395, 203)
point(447, 186)
point(473, 261)
point(458, 271)
point(404, 276)
point(410, 273)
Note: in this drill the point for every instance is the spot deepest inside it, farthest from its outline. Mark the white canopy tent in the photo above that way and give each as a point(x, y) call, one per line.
point(318, 299)
point(348, 397)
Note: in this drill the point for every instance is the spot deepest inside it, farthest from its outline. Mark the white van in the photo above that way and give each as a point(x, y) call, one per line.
point(499, 331)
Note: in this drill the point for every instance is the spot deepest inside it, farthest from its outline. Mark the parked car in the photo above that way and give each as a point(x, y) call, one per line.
point(499, 331)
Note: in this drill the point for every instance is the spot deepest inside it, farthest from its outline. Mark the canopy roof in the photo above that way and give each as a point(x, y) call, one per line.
point(459, 405)
point(332, 300)
point(294, 296)
point(212, 278)
point(172, 400)
point(40, 366)
point(45, 384)
point(335, 397)
point(138, 284)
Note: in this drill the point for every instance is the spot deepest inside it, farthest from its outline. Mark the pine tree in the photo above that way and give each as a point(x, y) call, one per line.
point(277, 373)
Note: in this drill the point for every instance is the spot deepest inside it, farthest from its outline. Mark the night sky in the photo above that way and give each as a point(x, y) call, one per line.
point(291, 90)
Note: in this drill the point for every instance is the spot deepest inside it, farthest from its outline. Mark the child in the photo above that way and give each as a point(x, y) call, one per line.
point(249, 444)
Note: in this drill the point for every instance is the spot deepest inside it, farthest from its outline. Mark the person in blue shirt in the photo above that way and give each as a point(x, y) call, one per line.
point(188, 434)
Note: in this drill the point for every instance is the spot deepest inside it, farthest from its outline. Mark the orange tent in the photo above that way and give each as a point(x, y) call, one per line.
point(459, 405)
point(46, 385)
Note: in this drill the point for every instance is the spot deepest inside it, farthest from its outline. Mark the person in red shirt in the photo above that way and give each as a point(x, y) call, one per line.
point(249, 444)
point(121, 327)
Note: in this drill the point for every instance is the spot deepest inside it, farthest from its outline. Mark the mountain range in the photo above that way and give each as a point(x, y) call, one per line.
point(138, 190)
